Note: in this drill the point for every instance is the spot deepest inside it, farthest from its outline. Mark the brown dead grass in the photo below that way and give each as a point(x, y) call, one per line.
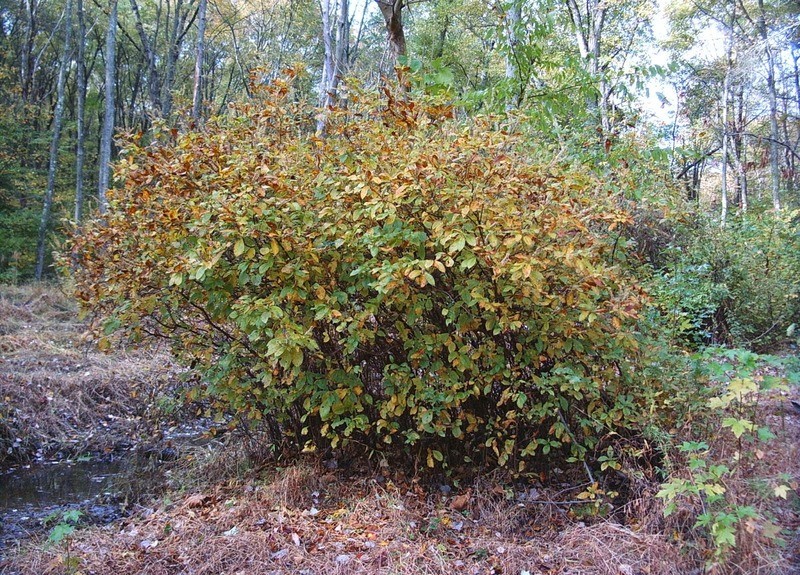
point(57, 391)
point(305, 520)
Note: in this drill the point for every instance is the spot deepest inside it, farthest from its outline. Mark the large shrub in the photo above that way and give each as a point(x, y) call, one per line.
point(405, 279)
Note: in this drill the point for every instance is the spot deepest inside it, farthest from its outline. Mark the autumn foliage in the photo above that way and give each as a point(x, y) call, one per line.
point(405, 280)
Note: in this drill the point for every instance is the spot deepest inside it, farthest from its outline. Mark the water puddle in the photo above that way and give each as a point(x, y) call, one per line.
point(55, 484)
point(31, 493)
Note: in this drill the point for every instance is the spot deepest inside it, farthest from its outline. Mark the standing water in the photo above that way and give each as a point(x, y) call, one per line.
point(31, 493)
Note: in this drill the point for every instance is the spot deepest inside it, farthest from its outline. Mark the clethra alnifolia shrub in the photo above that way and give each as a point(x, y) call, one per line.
point(405, 279)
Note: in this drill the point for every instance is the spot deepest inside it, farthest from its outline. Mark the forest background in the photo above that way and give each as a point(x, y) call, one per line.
point(75, 76)
point(442, 227)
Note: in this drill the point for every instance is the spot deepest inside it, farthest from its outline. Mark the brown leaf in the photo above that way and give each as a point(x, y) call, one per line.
point(196, 500)
point(461, 502)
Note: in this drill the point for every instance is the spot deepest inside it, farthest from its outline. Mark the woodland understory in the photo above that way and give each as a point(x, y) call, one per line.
point(236, 509)
point(446, 286)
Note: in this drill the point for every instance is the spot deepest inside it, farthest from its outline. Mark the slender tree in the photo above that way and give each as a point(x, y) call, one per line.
point(726, 89)
point(108, 116)
point(27, 71)
point(342, 55)
point(512, 19)
point(336, 55)
point(588, 23)
point(150, 55)
point(58, 117)
point(197, 100)
point(327, 63)
point(773, 108)
point(178, 29)
point(80, 116)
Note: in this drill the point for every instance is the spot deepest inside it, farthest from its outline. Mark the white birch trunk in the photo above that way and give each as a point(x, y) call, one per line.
point(512, 22)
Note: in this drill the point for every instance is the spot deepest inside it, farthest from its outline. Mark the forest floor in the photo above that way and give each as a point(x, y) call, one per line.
point(60, 395)
point(226, 513)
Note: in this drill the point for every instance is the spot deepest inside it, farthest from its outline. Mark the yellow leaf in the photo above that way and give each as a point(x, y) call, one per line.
point(781, 491)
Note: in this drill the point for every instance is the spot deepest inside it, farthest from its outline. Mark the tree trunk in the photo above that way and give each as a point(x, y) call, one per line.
point(149, 54)
point(237, 52)
point(327, 63)
point(773, 110)
point(738, 145)
point(80, 149)
point(726, 88)
point(512, 23)
point(58, 117)
point(173, 53)
point(335, 63)
point(392, 12)
point(588, 29)
point(724, 186)
point(26, 60)
point(796, 75)
point(197, 98)
point(108, 117)
point(789, 156)
point(741, 177)
point(438, 52)
point(353, 55)
point(342, 55)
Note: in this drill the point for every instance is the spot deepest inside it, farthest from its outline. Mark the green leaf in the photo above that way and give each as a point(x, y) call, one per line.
point(738, 426)
point(60, 532)
point(457, 245)
point(724, 535)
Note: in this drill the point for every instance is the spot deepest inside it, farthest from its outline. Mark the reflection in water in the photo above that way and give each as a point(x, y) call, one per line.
point(30, 494)
point(55, 484)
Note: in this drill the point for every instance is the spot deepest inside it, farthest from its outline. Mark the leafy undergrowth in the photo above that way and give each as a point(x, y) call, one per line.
point(732, 491)
point(323, 516)
point(309, 519)
point(320, 516)
point(57, 392)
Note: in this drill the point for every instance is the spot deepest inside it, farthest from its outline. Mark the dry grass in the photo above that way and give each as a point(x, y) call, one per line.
point(307, 521)
point(57, 391)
